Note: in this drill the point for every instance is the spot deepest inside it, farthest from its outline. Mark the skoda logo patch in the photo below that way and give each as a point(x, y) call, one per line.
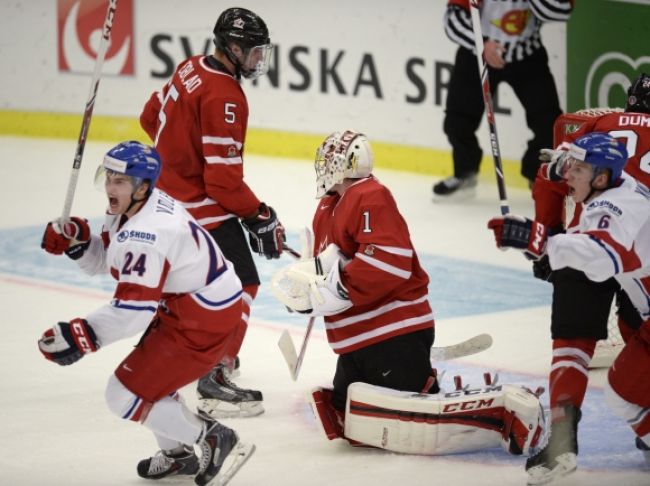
point(122, 236)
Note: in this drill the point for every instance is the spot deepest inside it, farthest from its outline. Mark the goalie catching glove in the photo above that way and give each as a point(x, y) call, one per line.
point(511, 231)
point(314, 286)
point(72, 239)
point(265, 232)
point(67, 342)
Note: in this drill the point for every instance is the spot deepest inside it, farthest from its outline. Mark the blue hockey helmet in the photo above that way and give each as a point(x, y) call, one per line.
point(138, 161)
point(601, 151)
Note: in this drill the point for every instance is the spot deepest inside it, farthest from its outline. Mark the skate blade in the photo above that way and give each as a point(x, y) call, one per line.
point(541, 475)
point(219, 409)
point(233, 463)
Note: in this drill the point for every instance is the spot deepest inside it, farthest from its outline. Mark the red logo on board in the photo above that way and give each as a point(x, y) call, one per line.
point(79, 31)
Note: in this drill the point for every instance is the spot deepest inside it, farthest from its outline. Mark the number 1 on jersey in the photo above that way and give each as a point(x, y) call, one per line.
point(366, 222)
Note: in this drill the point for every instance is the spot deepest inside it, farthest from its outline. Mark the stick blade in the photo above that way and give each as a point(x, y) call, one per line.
point(473, 345)
point(285, 343)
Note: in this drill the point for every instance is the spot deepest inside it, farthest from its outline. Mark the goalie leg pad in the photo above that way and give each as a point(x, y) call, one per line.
point(444, 423)
point(524, 420)
point(329, 419)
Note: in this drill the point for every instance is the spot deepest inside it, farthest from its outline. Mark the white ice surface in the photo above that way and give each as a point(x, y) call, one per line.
point(57, 430)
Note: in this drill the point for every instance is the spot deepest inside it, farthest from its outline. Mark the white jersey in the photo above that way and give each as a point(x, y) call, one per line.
point(159, 252)
point(611, 239)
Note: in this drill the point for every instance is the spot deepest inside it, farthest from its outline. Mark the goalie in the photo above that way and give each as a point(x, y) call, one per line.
point(368, 284)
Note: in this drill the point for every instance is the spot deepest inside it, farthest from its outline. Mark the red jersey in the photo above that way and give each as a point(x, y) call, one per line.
point(633, 129)
point(386, 284)
point(198, 124)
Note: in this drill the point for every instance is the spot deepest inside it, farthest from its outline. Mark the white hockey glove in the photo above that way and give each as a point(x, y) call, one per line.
point(557, 163)
point(313, 286)
point(320, 264)
point(328, 295)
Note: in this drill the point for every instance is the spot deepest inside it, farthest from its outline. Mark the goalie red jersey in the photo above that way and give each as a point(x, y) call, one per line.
point(198, 124)
point(386, 284)
point(631, 128)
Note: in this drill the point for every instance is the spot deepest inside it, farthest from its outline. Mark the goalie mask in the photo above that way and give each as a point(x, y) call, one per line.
point(638, 95)
point(342, 156)
point(249, 33)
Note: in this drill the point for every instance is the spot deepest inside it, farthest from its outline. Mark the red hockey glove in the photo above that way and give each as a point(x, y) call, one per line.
point(265, 232)
point(512, 231)
point(67, 342)
point(73, 239)
point(557, 163)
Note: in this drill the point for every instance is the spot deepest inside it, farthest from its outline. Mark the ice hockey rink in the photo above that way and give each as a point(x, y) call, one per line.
point(57, 430)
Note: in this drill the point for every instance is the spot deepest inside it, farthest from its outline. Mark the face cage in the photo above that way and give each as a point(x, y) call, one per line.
point(330, 170)
point(261, 67)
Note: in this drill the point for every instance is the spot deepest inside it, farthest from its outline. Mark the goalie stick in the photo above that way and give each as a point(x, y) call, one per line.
point(489, 110)
point(285, 343)
point(470, 346)
point(88, 112)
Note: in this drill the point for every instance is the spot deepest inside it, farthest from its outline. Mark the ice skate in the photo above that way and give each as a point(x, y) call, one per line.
point(455, 188)
point(221, 398)
point(222, 455)
point(645, 450)
point(559, 457)
point(165, 464)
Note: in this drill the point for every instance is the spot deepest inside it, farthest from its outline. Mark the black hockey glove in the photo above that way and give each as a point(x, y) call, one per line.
point(511, 231)
point(542, 269)
point(67, 342)
point(265, 232)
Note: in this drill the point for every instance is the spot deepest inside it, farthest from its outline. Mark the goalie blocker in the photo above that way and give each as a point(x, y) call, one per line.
point(435, 424)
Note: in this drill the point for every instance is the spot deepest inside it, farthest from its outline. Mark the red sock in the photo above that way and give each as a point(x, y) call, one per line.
point(569, 373)
point(250, 291)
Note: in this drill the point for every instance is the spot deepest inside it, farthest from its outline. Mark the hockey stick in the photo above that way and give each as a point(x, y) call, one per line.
point(293, 359)
point(470, 346)
point(285, 343)
point(88, 112)
point(487, 100)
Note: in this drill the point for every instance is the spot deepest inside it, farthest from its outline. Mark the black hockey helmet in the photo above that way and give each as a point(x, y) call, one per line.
point(248, 31)
point(638, 95)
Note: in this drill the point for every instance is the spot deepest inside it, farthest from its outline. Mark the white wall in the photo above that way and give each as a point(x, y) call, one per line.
point(375, 39)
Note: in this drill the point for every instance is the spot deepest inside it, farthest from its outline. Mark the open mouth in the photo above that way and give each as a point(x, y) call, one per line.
point(113, 203)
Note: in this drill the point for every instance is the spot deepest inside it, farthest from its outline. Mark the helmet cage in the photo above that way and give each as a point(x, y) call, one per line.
point(341, 156)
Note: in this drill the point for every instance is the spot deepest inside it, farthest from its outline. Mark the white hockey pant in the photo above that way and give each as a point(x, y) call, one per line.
point(444, 423)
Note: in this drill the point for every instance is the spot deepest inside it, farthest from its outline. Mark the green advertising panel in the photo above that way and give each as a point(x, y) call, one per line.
point(608, 45)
